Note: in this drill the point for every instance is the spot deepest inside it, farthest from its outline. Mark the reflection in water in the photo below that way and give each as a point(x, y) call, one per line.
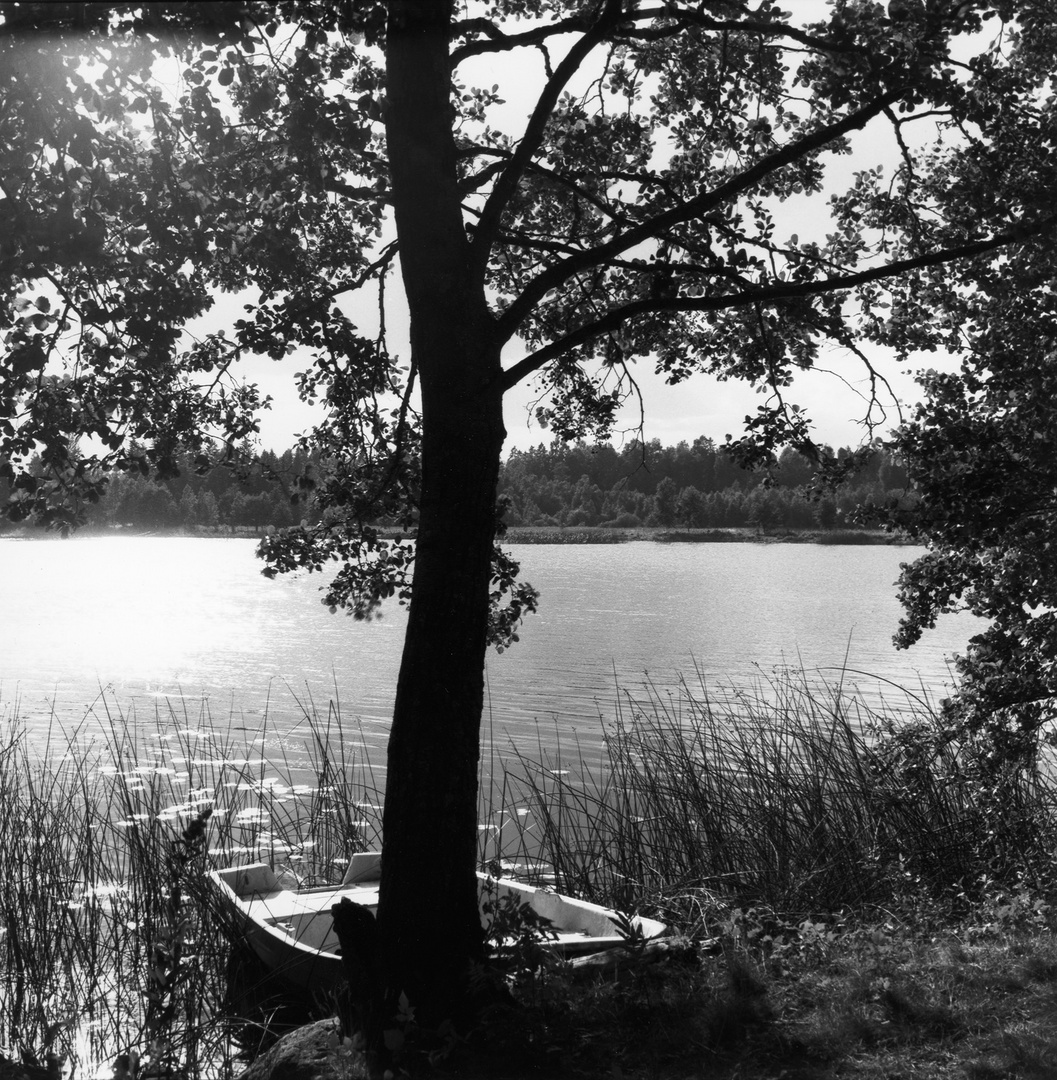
point(186, 633)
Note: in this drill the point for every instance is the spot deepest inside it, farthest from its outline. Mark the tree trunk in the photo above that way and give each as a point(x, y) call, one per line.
point(428, 923)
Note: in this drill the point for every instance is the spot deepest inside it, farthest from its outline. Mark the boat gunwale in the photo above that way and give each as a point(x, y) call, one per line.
point(249, 903)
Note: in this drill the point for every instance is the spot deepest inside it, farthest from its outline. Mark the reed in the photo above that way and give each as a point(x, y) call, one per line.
point(792, 795)
point(111, 947)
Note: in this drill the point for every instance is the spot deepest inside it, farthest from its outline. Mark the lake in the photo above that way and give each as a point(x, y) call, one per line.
point(95, 624)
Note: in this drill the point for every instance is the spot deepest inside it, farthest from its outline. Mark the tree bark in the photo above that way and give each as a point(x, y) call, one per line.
point(428, 922)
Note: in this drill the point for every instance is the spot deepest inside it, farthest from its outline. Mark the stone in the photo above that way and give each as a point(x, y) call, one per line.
point(20, 1070)
point(313, 1052)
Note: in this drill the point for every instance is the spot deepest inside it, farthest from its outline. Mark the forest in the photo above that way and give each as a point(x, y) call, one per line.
point(694, 485)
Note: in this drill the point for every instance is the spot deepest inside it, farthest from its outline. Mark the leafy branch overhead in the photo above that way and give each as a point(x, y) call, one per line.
point(980, 452)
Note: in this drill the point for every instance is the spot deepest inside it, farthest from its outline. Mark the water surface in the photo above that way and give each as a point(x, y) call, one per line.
point(149, 620)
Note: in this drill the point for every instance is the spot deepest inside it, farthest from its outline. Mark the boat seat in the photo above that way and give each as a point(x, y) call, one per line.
point(283, 905)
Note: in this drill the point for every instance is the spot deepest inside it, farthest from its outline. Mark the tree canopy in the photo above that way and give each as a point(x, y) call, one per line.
point(980, 452)
point(636, 215)
point(706, 187)
point(553, 486)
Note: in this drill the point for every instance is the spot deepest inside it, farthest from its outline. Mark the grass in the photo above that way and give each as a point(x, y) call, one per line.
point(778, 534)
point(600, 534)
point(110, 943)
point(868, 1002)
point(839, 906)
point(780, 794)
point(574, 534)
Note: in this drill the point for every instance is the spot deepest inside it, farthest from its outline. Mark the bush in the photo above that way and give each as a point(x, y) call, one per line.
point(623, 521)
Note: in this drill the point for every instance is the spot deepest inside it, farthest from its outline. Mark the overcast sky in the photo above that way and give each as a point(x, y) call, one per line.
point(700, 406)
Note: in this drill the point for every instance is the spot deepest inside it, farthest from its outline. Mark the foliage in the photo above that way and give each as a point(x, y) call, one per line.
point(254, 492)
point(516, 935)
point(580, 484)
point(981, 455)
point(130, 206)
point(104, 235)
point(980, 448)
point(642, 210)
point(260, 490)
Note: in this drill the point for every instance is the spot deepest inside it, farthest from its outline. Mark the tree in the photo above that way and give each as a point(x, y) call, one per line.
point(665, 498)
point(147, 505)
point(188, 507)
point(206, 512)
point(691, 508)
point(793, 469)
point(825, 512)
point(981, 453)
point(635, 213)
point(762, 508)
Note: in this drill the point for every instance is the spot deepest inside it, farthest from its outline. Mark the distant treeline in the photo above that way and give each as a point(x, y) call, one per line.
point(694, 485)
point(247, 490)
point(690, 485)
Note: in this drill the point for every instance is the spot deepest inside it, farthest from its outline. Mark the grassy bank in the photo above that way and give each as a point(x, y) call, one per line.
point(837, 903)
point(540, 534)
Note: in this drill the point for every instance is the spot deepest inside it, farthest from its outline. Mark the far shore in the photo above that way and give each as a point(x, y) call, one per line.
point(552, 534)
point(541, 534)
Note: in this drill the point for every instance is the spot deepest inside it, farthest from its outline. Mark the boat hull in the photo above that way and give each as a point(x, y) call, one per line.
point(292, 930)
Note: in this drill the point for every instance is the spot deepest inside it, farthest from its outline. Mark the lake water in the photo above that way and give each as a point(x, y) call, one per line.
point(131, 623)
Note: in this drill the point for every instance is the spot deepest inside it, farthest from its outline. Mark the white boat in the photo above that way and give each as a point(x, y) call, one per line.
point(292, 930)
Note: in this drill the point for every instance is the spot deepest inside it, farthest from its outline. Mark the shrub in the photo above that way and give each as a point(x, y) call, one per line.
point(623, 521)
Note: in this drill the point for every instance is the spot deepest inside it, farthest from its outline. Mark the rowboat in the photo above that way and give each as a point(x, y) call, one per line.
point(292, 930)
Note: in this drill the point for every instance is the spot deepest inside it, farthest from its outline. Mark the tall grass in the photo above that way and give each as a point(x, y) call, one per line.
point(111, 946)
point(793, 794)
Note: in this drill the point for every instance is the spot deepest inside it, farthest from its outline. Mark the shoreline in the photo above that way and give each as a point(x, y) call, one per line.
point(597, 534)
point(541, 534)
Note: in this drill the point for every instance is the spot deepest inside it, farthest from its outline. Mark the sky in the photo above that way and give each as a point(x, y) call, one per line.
point(835, 397)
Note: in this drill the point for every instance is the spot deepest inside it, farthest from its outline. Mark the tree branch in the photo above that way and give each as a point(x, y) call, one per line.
point(559, 273)
point(569, 179)
point(762, 27)
point(564, 180)
point(616, 317)
point(510, 177)
point(339, 187)
point(495, 41)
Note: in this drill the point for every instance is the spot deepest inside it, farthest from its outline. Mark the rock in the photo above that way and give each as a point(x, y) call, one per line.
point(313, 1052)
point(21, 1070)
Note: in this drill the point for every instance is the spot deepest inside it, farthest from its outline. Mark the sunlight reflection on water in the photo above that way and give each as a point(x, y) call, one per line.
point(185, 634)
